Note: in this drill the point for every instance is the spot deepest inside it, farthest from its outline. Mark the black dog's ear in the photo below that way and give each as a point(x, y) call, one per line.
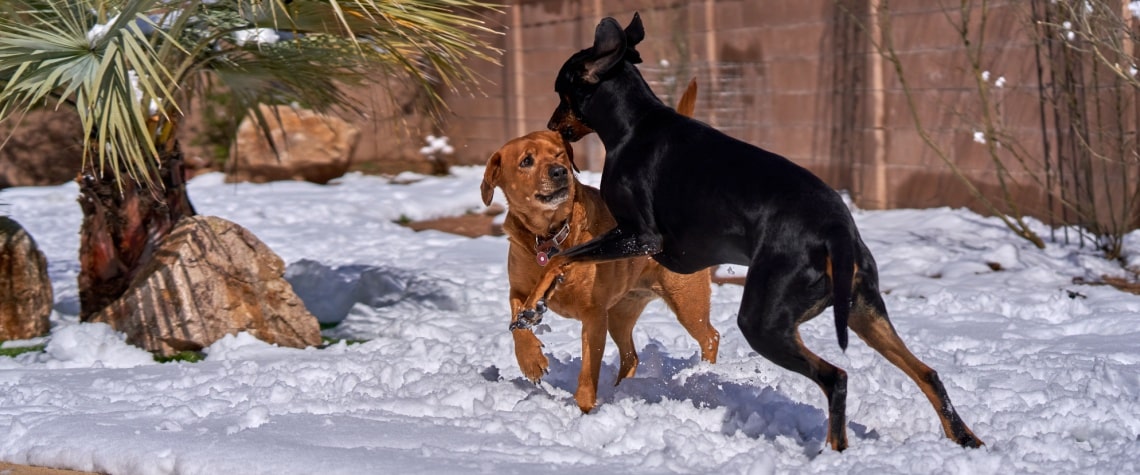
point(635, 32)
point(569, 153)
point(608, 50)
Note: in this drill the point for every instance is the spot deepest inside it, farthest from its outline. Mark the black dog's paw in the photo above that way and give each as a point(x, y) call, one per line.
point(526, 319)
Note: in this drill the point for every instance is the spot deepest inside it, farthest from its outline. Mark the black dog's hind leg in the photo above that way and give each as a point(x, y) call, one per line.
point(778, 296)
point(869, 320)
point(613, 245)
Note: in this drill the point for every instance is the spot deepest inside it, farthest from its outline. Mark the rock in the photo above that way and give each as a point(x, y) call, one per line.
point(210, 278)
point(25, 289)
point(398, 120)
point(311, 147)
point(46, 148)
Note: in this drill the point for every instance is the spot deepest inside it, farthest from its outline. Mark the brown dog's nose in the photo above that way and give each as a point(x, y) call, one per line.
point(557, 173)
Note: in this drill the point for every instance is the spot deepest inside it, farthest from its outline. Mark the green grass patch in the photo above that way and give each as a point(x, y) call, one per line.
point(182, 356)
point(10, 352)
point(332, 341)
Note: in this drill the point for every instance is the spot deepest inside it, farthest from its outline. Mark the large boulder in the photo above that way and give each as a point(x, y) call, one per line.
point(210, 278)
point(398, 121)
point(25, 289)
point(46, 148)
point(310, 147)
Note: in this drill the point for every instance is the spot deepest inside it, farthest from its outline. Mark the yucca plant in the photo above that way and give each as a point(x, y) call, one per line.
point(129, 68)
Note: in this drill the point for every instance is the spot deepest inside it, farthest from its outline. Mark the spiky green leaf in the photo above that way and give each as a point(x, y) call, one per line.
point(50, 54)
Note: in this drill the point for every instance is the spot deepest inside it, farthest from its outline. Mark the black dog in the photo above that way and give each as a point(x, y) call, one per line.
point(693, 197)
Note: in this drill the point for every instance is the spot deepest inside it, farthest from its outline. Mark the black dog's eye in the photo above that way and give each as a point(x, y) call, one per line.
point(527, 161)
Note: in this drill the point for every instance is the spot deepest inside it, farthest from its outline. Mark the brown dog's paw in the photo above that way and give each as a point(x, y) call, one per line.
point(586, 398)
point(528, 352)
point(534, 368)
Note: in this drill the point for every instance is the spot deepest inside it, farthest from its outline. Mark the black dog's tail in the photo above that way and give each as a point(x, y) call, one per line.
point(842, 253)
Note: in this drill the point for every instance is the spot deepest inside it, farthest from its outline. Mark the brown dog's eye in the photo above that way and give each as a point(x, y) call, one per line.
point(527, 161)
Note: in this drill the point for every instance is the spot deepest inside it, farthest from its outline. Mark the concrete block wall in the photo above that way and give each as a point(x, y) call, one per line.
point(800, 78)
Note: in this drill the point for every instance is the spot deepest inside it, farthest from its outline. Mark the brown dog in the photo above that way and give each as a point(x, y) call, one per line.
point(549, 209)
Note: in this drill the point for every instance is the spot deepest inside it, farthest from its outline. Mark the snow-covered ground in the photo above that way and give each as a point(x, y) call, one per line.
point(1046, 371)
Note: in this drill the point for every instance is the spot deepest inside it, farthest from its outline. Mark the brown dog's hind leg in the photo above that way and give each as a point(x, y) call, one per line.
point(622, 317)
point(869, 321)
point(688, 297)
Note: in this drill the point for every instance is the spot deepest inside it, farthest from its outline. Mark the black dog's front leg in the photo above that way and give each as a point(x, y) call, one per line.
point(615, 244)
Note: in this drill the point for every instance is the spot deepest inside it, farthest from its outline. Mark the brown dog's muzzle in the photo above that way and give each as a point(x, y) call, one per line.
point(556, 187)
point(567, 124)
point(559, 175)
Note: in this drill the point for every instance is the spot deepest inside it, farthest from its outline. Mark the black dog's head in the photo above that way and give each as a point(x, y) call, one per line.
point(580, 75)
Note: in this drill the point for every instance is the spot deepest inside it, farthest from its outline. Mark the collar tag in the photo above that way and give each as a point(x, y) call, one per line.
point(549, 247)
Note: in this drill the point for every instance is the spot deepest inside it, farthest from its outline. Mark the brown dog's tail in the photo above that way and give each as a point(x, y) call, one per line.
point(688, 102)
point(842, 254)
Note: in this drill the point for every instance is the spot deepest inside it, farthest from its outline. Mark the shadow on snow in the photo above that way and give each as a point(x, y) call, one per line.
point(754, 410)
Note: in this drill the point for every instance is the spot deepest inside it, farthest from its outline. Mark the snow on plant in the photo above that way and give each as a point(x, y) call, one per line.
point(436, 146)
point(256, 36)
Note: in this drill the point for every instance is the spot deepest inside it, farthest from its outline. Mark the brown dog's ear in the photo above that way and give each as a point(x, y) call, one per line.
point(491, 178)
point(608, 50)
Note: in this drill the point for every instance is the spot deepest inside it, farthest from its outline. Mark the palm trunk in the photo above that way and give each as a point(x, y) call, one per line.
point(123, 221)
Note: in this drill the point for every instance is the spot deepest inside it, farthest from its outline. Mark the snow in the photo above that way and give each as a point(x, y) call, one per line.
point(436, 145)
point(256, 36)
point(1044, 370)
point(99, 30)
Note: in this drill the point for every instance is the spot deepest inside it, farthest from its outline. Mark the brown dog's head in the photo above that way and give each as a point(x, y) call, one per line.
point(580, 75)
point(534, 171)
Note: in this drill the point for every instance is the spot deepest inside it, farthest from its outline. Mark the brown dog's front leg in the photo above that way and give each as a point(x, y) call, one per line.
point(593, 347)
point(528, 352)
point(528, 349)
point(535, 304)
point(613, 245)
